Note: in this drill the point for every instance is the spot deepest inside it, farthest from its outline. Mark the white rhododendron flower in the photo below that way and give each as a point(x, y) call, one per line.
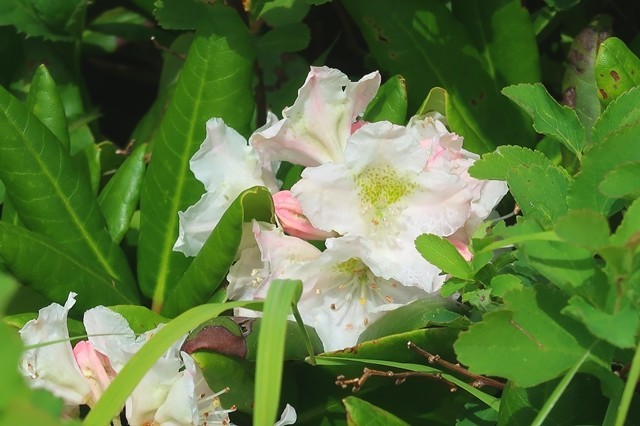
point(226, 165)
point(314, 130)
point(385, 194)
point(53, 365)
point(369, 189)
point(347, 296)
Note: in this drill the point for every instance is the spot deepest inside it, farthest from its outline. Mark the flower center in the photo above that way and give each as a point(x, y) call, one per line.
point(379, 187)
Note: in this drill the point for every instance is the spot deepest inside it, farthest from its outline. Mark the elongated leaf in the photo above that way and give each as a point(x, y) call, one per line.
point(443, 254)
point(362, 413)
point(45, 103)
point(408, 39)
point(53, 20)
point(119, 198)
point(52, 270)
point(617, 70)
point(216, 81)
point(502, 32)
point(50, 195)
point(549, 117)
point(210, 267)
point(281, 294)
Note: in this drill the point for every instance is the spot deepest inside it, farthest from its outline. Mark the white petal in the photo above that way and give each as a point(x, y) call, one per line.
point(315, 129)
point(288, 417)
point(109, 333)
point(53, 366)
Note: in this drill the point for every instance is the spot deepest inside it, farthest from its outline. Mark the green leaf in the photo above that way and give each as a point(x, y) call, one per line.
point(529, 332)
point(427, 312)
point(390, 103)
point(503, 34)
point(582, 403)
point(619, 328)
point(501, 284)
point(271, 342)
point(622, 113)
point(549, 117)
point(184, 14)
point(579, 87)
point(140, 318)
point(622, 182)
point(51, 269)
point(52, 20)
point(497, 165)
point(45, 103)
point(119, 198)
point(562, 4)
point(442, 253)
point(585, 228)
point(289, 38)
point(222, 371)
point(629, 228)
point(541, 192)
point(280, 12)
point(362, 413)
point(216, 82)
point(407, 39)
point(50, 194)
point(209, 269)
point(294, 347)
point(598, 160)
point(617, 70)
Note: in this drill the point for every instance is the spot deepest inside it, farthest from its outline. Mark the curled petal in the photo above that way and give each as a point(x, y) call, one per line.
point(293, 221)
point(315, 128)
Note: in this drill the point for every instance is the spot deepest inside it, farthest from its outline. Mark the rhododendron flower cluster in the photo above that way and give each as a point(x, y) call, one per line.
point(368, 190)
point(173, 392)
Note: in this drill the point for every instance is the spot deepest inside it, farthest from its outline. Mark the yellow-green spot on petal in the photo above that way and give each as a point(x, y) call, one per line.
point(380, 186)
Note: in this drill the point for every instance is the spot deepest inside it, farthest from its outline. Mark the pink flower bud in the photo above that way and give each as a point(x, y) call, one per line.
point(293, 221)
point(463, 249)
point(95, 367)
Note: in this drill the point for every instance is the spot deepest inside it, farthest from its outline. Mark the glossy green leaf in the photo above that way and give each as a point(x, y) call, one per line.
point(118, 200)
point(549, 117)
point(294, 348)
point(442, 253)
point(45, 103)
point(362, 413)
point(280, 12)
point(409, 39)
point(541, 192)
point(617, 70)
point(579, 89)
point(622, 182)
point(209, 269)
point(216, 82)
point(390, 103)
point(221, 371)
point(585, 228)
point(621, 114)
point(599, 160)
point(271, 343)
point(530, 324)
point(288, 38)
point(50, 194)
point(140, 318)
point(502, 32)
point(51, 269)
point(183, 14)
point(52, 20)
point(431, 311)
point(497, 165)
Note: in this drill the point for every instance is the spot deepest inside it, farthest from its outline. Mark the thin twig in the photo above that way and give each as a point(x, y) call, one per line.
point(400, 378)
